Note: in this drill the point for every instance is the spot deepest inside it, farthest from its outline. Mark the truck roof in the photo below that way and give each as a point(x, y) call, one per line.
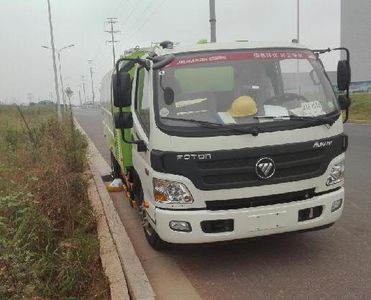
point(228, 46)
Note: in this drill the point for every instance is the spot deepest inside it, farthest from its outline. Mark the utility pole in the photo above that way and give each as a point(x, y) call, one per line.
point(112, 22)
point(83, 87)
point(92, 82)
point(54, 63)
point(212, 22)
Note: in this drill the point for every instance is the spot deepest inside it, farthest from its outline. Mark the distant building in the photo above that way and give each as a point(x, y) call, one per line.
point(356, 35)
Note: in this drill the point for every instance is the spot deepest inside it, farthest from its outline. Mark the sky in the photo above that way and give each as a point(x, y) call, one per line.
point(26, 70)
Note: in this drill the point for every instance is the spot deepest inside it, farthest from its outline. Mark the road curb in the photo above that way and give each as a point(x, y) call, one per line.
point(138, 284)
point(108, 253)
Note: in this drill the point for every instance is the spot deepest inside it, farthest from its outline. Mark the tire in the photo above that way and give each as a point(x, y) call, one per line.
point(151, 235)
point(116, 169)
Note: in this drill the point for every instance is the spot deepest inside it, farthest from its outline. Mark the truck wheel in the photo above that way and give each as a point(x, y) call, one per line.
point(116, 169)
point(151, 235)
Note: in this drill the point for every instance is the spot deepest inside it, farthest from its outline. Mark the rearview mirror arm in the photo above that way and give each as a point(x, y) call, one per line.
point(321, 51)
point(139, 143)
point(143, 62)
point(142, 147)
point(146, 64)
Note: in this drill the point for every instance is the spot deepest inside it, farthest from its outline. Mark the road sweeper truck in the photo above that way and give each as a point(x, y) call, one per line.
point(219, 142)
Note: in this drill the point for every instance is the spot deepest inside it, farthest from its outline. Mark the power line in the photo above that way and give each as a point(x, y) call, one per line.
point(129, 9)
point(131, 19)
point(135, 7)
point(136, 15)
point(112, 31)
point(141, 14)
point(145, 21)
point(119, 9)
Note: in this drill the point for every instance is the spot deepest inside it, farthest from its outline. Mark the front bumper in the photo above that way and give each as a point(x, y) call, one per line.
point(248, 222)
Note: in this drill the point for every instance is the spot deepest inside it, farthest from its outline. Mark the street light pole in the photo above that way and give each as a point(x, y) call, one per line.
point(212, 21)
point(80, 98)
point(54, 63)
point(298, 41)
point(298, 21)
point(61, 80)
point(59, 51)
point(83, 87)
point(92, 82)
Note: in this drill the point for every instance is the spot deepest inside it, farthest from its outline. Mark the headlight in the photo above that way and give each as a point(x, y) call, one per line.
point(171, 192)
point(336, 174)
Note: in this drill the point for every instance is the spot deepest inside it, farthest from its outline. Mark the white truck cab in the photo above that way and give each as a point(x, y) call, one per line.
point(220, 142)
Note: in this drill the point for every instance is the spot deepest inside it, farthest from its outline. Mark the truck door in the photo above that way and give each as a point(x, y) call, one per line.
point(141, 128)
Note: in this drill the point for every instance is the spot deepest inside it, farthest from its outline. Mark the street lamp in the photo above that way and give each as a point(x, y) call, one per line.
point(60, 69)
point(53, 59)
point(90, 61)
point(298, 21)
point(212, 21)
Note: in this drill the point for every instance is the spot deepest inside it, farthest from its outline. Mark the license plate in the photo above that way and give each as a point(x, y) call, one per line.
point(268, 221)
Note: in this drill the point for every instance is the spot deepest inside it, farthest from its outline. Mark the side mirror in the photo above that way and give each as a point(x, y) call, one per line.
point(123, 120)
point(344, 102)
point(343, 75)
point(122, 86)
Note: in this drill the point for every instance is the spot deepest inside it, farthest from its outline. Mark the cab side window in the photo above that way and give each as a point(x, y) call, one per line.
point(142, 101)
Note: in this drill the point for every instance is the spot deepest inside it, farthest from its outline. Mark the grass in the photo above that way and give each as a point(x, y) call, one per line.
point(360, 109)
point(48, 241)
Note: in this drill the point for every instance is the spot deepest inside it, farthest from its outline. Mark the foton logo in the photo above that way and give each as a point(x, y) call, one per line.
point(191, 156)
point(322, 144)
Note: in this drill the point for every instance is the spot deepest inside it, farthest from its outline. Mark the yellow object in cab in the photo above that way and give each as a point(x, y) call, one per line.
point(243, 106)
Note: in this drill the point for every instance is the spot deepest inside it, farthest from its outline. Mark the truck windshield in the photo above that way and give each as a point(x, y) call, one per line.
point(242, 89)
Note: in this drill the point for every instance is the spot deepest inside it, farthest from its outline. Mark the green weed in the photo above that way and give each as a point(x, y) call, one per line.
point(360, 109)
point(48, 240)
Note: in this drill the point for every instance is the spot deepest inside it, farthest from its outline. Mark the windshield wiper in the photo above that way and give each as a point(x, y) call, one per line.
point(254, 130)
point(320, 120)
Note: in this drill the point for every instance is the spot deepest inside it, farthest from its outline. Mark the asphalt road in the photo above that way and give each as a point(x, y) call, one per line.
point(329, 264)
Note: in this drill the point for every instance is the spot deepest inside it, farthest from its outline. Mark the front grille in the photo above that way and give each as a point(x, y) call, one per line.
point(260, 201)
point(225, 163)
point(235, 168)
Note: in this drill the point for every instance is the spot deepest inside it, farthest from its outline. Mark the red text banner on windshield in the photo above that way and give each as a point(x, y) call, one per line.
point(251, 55)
